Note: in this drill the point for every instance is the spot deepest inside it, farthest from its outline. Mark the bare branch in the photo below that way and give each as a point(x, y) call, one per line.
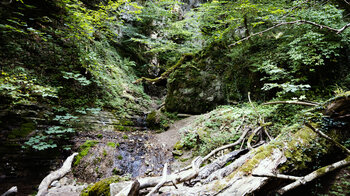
point(162, 182)
point(291, 102)
point(281, 176)
point(328, 138)
point(251, 137)
point(315, 174)
point(219, 149)
point(337, 31)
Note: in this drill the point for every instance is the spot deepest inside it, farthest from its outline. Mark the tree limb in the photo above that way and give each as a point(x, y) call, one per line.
point(12, 191)
point(291, 102)
point(66, 167)
point(219, 149)
point(337, 31)
point(162, 182)
point(251, 137)
point(281, 176)
point(315, 174)
point(320, 133)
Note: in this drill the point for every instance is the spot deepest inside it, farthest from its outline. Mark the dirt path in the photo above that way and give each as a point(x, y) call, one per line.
point(169, 138)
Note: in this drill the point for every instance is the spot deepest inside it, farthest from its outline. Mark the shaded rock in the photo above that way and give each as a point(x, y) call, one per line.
point(193, 91)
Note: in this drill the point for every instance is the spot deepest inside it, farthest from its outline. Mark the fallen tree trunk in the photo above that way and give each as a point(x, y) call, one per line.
point(45, 183)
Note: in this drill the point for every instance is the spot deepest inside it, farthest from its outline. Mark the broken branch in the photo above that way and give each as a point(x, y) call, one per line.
point(219, 149)
point(320, 133)
point(281, 176)
point(291, 102)
point(315, 174)
point(162, 182)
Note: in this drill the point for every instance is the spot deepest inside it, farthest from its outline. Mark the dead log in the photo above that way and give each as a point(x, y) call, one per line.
point(12, 191)
point(253, 170)
point(315, 174)
point(219, 163)
point(45, 183)
point(130, 190)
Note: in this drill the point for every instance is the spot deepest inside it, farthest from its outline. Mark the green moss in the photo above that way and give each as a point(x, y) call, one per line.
point(99, 136)
point(102, 187)
point(111, 144)
point(23, 131)
point(126, 122)
point(125, 136)
point(120, 157)
point(178, 146)
point(151, 119)
point(84, 150)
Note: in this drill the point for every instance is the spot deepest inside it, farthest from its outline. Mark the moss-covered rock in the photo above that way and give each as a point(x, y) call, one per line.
point(210, 79)
point(23, 131)
point(191, 90)
point(84, 150)
point(101, 188)
point(157, 120)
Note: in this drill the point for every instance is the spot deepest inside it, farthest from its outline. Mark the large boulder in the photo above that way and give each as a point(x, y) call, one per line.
point(191, 90)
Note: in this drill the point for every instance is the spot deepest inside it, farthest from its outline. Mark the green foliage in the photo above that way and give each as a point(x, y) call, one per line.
point(77, 77)
point(40, 142)
point(221, 126)
point(18, 87)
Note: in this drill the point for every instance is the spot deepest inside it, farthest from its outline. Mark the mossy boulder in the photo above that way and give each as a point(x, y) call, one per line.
point(191, 90)
point(157, 120)
point(24, 130)
point(210, 79)
point(101, 188)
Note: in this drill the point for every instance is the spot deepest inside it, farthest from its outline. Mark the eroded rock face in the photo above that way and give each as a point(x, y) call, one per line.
point(191, 90)
point(120, 153)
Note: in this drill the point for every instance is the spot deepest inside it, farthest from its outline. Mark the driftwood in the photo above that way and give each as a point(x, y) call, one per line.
point(219, 149)
point(219, 163)
point(45, 183)
point(12, 191)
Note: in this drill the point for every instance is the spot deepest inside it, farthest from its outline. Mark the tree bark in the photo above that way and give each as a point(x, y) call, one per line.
point(45, 183)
